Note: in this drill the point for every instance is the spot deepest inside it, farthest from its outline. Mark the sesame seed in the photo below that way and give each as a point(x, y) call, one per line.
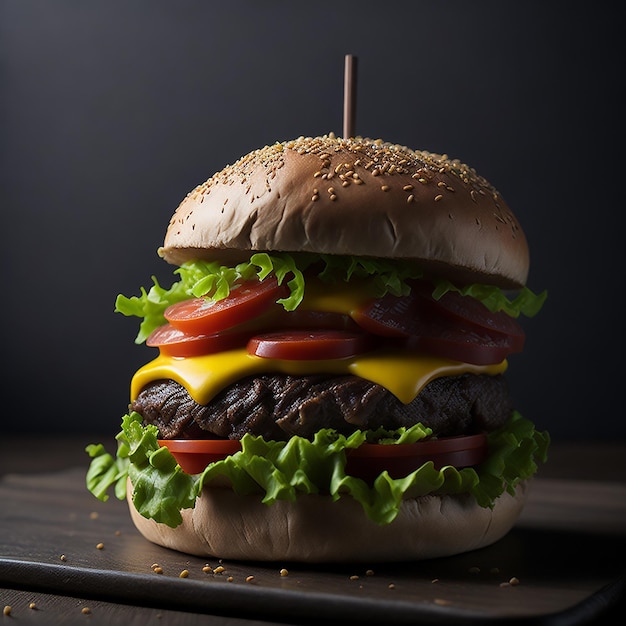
point(7, 610)
point(423, 181)
point(369, 572)
point(331, 190)
point(230, 579)
point(385, 187)
point(100, 546)
point(441, 184)
point(375, 172)
point(407, 188)
point(439, 197)
point(249, 579)
point(32, 606)
point(219, 569)
point(207, 569)
point(410, 198)
point(333, 197)
point(85, 610)
point(391, 586)
point(354, 577)
point(63, 557)
point(283, 572)
point(184, 574)
point(514, 581)
point(345, 183)
point(158, 570)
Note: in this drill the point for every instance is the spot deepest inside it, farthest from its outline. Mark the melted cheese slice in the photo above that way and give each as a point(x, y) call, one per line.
point(402, 372)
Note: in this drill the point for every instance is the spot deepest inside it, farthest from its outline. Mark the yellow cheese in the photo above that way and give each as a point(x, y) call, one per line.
point(402, 372)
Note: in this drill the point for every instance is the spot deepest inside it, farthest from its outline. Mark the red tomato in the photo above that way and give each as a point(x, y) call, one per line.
point(203, 316)
point(174, 342)
point(309, 344)
point(389, 316)
point(460, 343)
point(193, 455)
point(365, 462)
point(466, 310)
point(314, 320)
point(369, 460)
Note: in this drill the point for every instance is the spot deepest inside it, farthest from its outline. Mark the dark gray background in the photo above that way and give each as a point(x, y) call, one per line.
point(111, 111)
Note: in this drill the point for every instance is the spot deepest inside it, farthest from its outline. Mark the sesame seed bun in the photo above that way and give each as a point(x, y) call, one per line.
point(353, 197)
point(226, 525)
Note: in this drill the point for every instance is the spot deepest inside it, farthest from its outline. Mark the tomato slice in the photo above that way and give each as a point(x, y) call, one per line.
point(466, 310)
point(369, 460)
point(309, 344)
point(203, 316)
point(389, 316)
point(460, 343)
point(173, 342)
point(193, 455)
point(365, 462)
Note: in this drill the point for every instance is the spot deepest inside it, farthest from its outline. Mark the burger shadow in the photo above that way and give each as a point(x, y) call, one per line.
point(543, 555)
point(590, 566)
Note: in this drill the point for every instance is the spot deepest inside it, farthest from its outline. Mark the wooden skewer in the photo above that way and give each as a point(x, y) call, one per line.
point(349, 96)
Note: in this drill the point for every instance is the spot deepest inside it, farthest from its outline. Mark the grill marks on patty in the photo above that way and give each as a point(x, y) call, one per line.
point(278, 406)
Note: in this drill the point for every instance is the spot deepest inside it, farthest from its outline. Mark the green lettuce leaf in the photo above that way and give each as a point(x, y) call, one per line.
point(286, 470)
point(210, 279)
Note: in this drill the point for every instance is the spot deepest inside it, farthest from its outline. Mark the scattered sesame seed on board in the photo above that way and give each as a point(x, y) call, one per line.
point(184, 574)
point(7, 610)
point(284, 572)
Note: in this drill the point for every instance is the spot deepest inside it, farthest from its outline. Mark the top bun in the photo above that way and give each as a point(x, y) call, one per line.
point(353, 196)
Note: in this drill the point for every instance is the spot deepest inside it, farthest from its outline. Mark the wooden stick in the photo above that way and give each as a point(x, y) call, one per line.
point(349, 96)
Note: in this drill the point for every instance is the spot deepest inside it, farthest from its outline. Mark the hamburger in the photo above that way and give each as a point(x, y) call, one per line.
point(330, 378)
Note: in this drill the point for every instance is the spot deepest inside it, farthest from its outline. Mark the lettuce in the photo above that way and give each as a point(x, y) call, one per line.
point(286, 470)
point(209, 278)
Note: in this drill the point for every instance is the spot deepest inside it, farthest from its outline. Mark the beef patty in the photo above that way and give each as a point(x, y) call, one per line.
point(278, 406)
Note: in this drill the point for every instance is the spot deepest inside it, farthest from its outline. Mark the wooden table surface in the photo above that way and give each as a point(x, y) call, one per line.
point(567, 555)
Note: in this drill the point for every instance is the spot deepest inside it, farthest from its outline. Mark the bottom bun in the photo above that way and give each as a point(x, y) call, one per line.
point(316, 529)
